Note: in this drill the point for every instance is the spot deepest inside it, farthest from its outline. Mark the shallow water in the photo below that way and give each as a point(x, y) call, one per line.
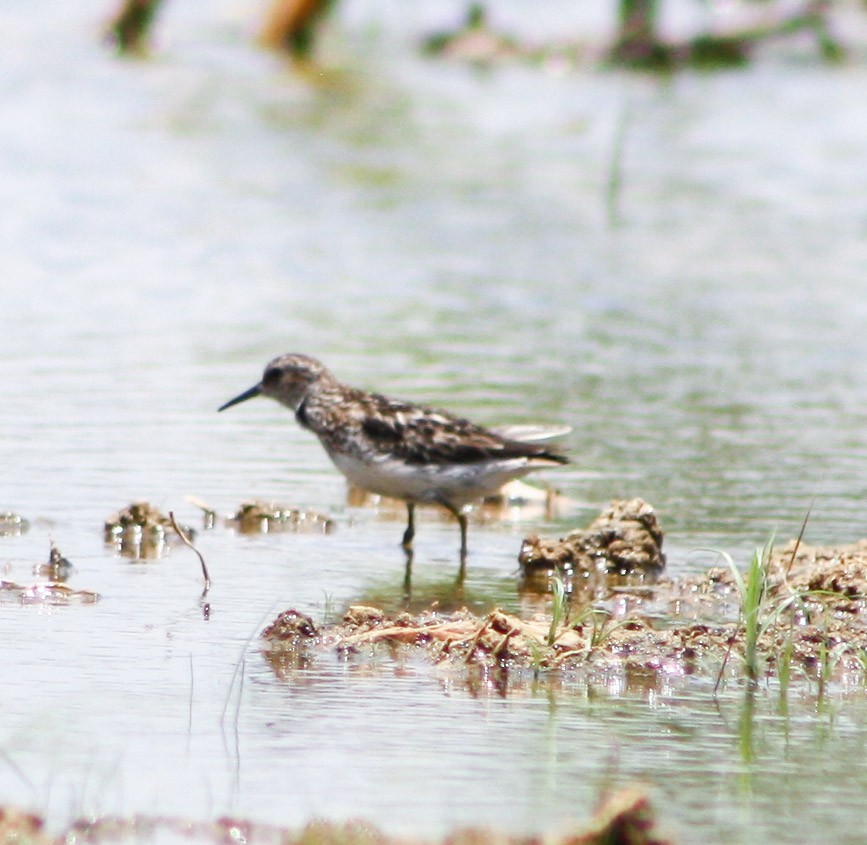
point(441, 234)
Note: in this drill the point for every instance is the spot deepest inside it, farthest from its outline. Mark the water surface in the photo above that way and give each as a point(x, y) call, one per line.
point(441, 234)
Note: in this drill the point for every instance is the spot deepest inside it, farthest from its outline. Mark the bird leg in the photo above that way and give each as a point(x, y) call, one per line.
point(407, 576)
point(461, 517)
point(410, 526)
point(462, 521)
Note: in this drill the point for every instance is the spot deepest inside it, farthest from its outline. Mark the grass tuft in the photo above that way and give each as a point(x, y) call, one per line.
point(560, 607)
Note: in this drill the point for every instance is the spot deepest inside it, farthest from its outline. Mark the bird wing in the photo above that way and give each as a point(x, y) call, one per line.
point(421, 435)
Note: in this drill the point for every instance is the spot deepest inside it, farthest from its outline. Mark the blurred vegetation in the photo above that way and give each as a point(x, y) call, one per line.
point(639, 45)
point(292, 26)
point(129, 28)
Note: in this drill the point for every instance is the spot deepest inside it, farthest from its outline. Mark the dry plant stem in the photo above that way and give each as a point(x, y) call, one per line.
point(399, 633)
point(476, 640)
point(568, 655)
point(800, 537)
point(240, 661)
point(187, 542)
point(503, 645)
point(722, 668)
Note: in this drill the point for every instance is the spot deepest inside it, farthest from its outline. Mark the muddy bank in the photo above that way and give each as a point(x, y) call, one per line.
point(599, 645)
point(624, 817)
point(614, 613)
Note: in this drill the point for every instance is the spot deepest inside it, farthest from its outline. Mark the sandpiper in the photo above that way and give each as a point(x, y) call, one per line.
point(410, 452)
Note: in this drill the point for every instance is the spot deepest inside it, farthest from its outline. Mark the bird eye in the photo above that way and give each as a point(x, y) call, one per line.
point(272, 376)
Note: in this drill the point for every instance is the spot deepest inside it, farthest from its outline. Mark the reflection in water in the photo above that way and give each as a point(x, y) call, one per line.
point(746, 722)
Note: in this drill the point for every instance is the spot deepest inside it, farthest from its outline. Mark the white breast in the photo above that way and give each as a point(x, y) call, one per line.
point(457, 484)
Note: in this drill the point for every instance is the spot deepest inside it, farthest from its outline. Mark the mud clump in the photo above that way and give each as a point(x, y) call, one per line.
point(625, 538)
point(840, 570)
point(290, 626)
point(258, 517)
point(625, 817)
point(56, 568)
point(50, 591)
point(12, 525)
point(141, 531)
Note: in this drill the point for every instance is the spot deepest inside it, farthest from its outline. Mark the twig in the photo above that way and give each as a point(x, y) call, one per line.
point(722, 668)
point(187, 542)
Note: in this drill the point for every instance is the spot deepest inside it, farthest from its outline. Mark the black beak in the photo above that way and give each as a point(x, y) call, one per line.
point(243, 397)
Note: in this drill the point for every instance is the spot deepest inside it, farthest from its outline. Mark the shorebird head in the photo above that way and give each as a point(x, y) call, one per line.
point(286, 379)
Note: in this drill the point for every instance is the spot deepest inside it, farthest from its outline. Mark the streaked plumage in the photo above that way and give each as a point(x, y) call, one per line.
point(394, 448)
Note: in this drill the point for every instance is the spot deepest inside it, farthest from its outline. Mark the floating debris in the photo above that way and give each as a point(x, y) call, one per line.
point(46, 592)
point(258, 517)
point(11, 524)
point(141, 531)
point(57, 568)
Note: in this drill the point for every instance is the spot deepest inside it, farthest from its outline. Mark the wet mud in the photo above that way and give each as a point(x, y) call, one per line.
point(615, 613)
point(56, 568)
point(624, 817)
point(140, 531)
point(49, 588)
point(47, 593)
point(624, 538)
point(257, 516)
point(12, 525)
